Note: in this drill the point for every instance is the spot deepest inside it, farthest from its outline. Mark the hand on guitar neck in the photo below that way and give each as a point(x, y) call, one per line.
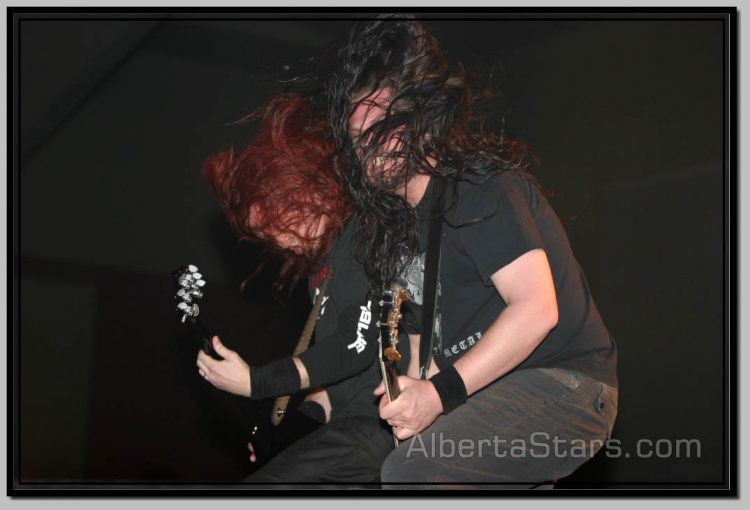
point(230, 373)
point(414, 410)
point(409, 413)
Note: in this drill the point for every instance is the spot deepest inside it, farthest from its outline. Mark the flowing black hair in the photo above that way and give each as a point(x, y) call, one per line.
point(428, 116)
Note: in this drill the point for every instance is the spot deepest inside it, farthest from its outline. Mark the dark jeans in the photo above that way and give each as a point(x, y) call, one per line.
point(530, 427)
point(346, 451)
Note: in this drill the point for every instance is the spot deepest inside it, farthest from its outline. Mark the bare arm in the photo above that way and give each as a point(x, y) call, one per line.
point(527, 287)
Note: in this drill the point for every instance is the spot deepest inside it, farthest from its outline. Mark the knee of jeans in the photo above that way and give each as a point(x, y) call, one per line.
point(400, 468)
point(393, 468)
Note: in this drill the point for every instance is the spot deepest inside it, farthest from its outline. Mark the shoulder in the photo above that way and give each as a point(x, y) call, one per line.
point(479, 196)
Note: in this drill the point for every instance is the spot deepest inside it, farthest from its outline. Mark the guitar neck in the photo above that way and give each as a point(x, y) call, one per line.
point(206, 335)
point(390, 379)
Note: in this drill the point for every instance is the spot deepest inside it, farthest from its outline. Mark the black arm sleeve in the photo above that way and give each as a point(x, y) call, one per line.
point(349, 350)
point(279, 377)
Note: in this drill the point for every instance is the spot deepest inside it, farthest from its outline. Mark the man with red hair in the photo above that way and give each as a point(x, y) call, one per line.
point(283, 191)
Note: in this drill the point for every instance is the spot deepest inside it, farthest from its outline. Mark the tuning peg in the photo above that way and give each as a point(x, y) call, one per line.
point(190, 309)
point(200, 283)
point(197, 275)
point(192, 268)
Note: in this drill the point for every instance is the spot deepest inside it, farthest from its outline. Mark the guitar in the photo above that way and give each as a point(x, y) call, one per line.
point(190, 285)
point(388, 354)
point(267, 436)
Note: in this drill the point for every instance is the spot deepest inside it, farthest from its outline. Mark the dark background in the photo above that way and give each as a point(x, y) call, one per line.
point(117, 115)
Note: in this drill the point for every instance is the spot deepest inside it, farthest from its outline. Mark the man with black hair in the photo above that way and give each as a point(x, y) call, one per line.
point(520, 386)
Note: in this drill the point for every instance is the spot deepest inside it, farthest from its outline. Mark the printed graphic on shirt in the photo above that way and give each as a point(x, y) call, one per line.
point(365, 318)
point(437, 334)
point(317, 278)
point(413, 281)
point(322, 304)
point(462, 345)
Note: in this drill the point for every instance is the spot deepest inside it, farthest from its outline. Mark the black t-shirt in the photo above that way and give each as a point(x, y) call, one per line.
point(494, 221)
point(347, 331)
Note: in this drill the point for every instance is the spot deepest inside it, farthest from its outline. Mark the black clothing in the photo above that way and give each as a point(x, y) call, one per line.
point(527, 428)
point(343, 358)
point(493, 221)
point(347, 450)
point(352, 446)
point(346, 335)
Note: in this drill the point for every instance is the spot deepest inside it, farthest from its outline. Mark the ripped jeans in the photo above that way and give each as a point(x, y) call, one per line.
point(531, 427)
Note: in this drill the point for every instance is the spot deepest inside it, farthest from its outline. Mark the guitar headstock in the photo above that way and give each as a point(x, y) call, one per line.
point(392, 299)
point(190, 283)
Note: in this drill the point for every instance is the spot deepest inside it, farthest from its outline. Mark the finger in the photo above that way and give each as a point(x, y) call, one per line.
point(220, 349)
point(379, 390)
point(208, 364)
point(250, 447)
point(202, 367)
point(205, 362)
point(404, 381)
point(403, 433)
point(390, 410)
point(397, 423)
point(382, 403)
point(201, 356)
point(253, 458)
point(202, 371)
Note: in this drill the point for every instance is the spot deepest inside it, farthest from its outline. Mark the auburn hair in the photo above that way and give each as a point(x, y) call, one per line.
point(288, 175)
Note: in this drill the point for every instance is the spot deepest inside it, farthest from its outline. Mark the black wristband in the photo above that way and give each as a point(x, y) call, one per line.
point(450, 387)
point(279, 377)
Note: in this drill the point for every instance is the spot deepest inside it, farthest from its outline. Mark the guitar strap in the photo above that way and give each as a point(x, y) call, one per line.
point(282, 401)
point(431, 275)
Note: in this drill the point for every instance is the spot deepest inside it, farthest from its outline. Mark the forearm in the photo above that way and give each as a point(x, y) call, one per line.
point(514, 335)
point(319, 366)
point(413, 369)
point(280, 377)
